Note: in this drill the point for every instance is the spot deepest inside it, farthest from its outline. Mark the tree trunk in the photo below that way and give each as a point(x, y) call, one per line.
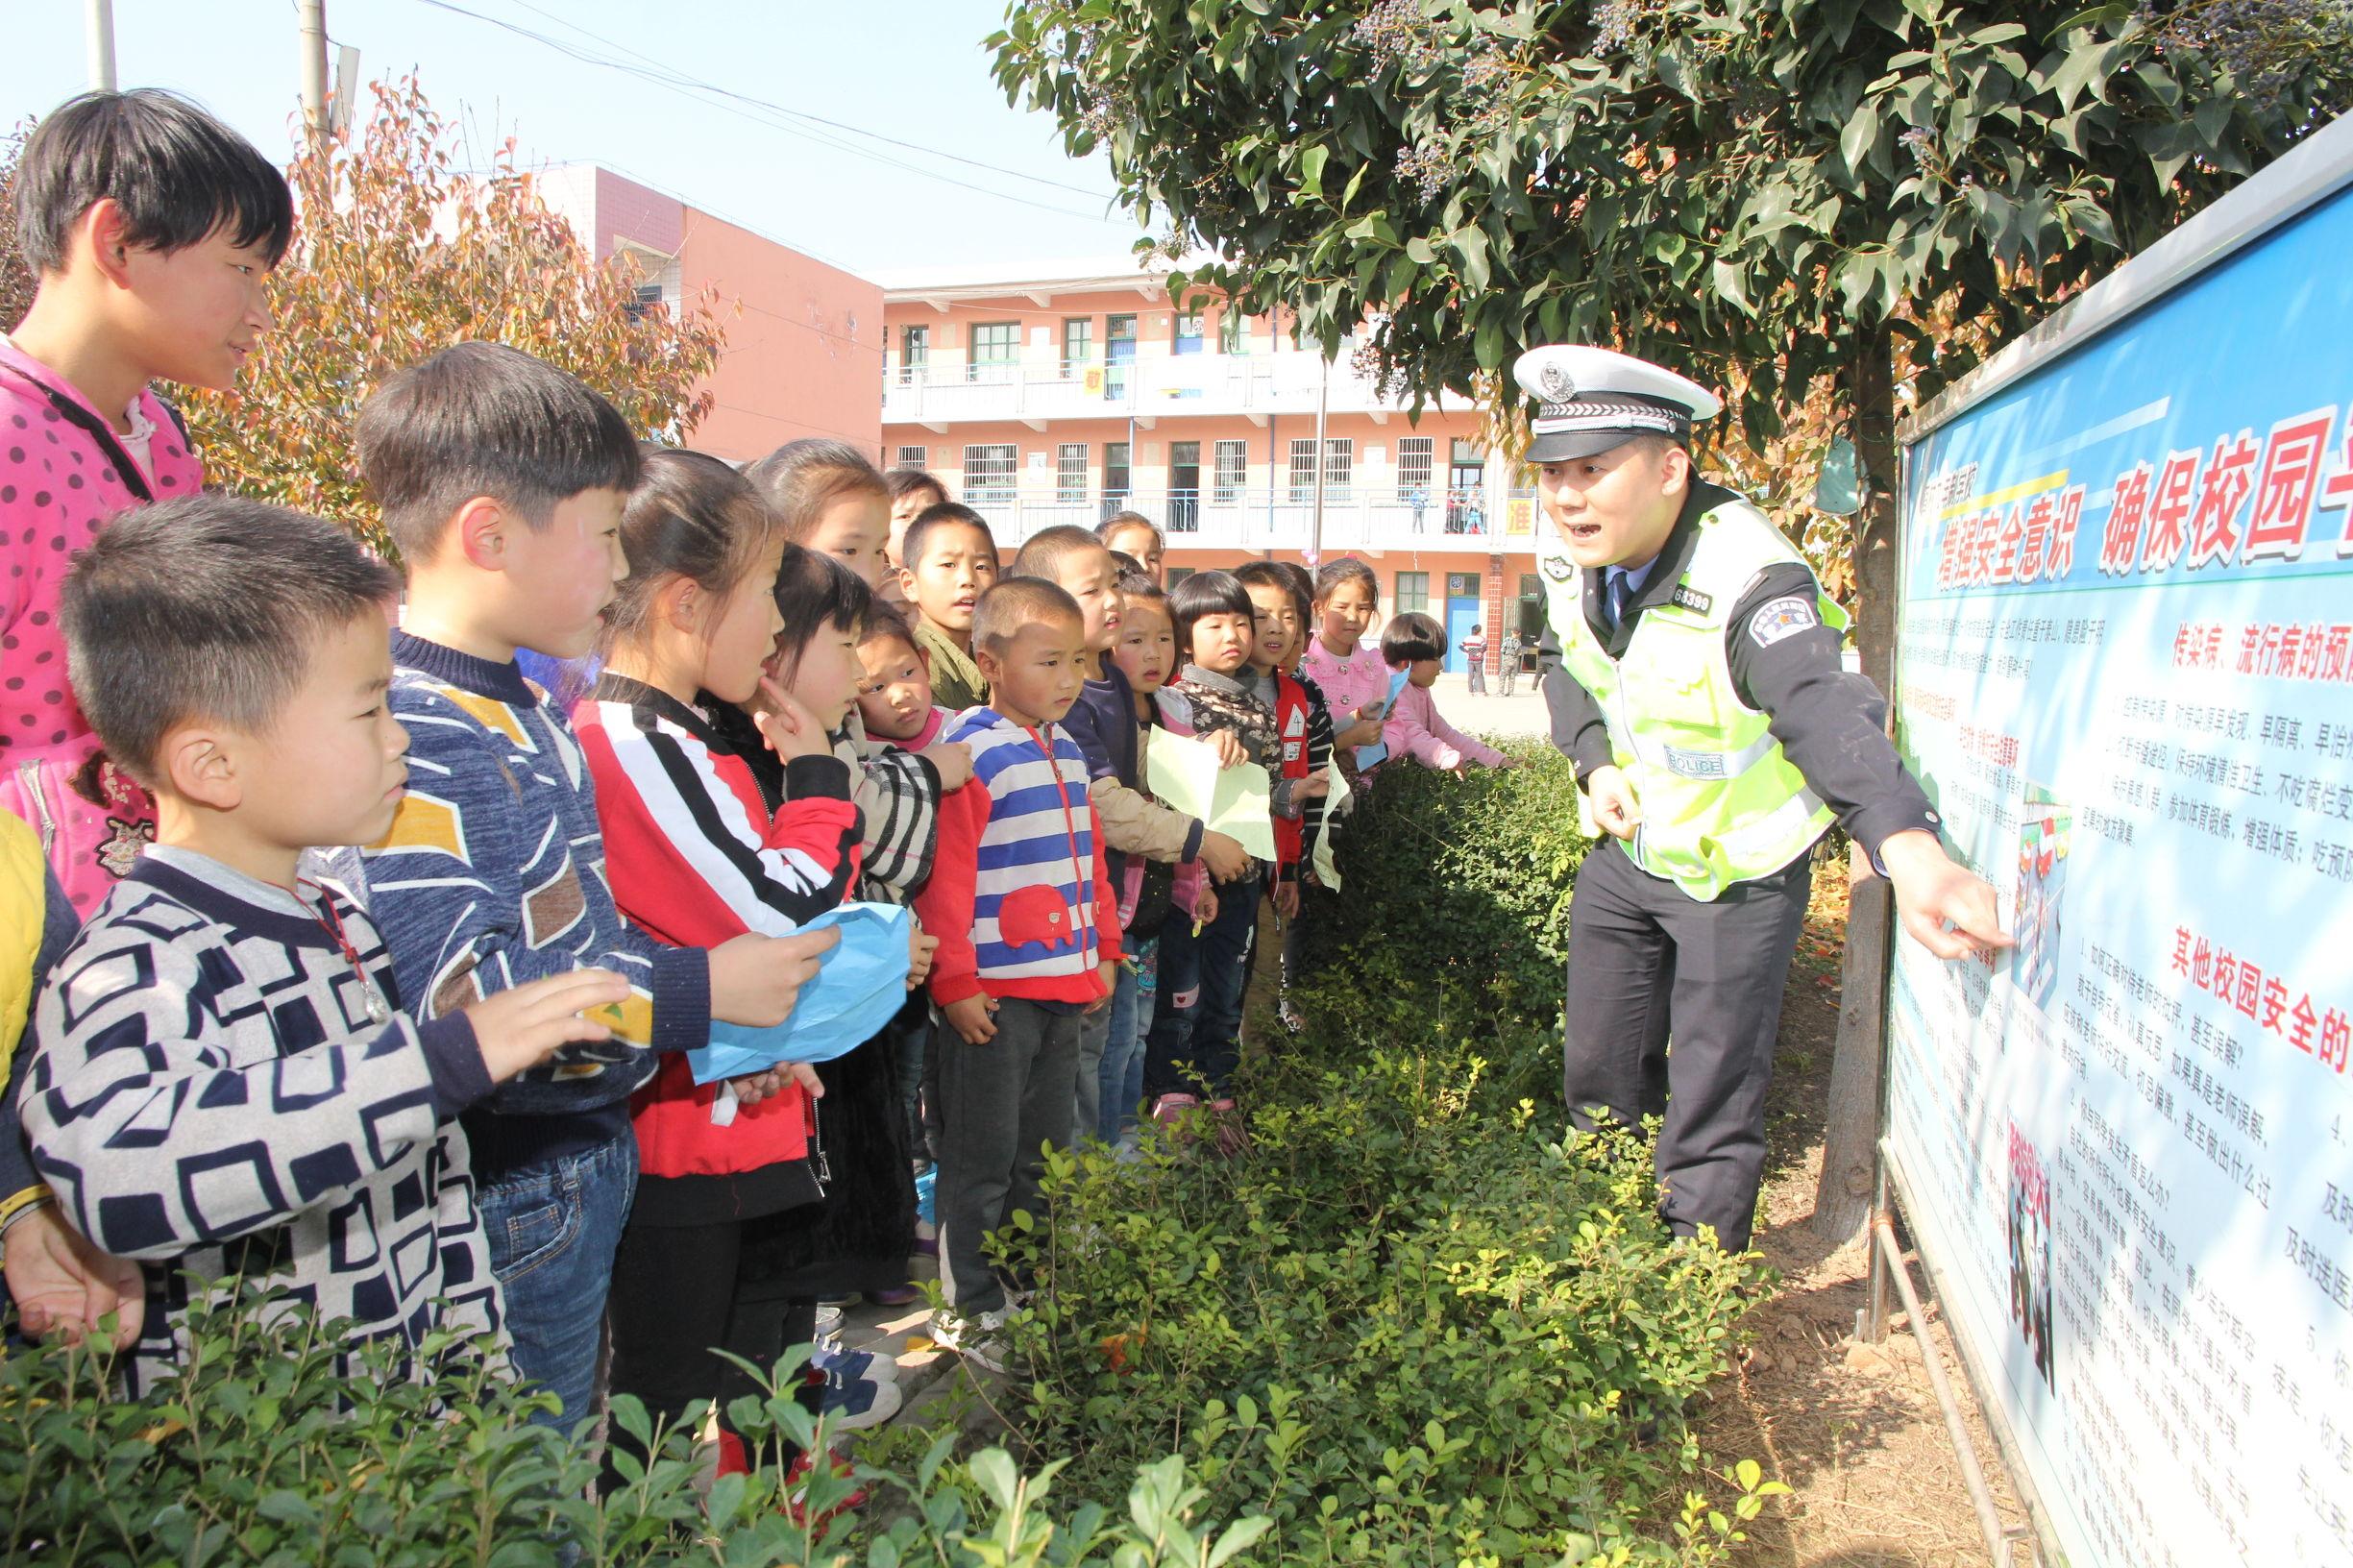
point(1842, 1198)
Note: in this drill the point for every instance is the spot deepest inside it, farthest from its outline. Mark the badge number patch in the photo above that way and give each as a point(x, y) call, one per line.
point(1691, 598)
point(1781, 617)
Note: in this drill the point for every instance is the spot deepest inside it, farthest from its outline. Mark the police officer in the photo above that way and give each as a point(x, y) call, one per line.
point(1691, 667)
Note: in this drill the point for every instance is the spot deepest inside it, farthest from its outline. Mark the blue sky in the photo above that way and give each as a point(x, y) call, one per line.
point(910, 70)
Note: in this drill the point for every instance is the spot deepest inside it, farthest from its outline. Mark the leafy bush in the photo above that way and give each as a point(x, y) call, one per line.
point(1405, 1323)
point(260, 1453)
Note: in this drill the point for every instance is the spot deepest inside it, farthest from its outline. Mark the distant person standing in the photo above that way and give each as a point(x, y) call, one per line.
point(1475, 654)
point(1508, 670)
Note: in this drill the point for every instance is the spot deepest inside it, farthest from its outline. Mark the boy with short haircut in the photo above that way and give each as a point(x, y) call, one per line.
point(947, 560)
point(1029, 942)
point(1102, 721)
point(501, 478)
point(224, 1080)
point(151, 229)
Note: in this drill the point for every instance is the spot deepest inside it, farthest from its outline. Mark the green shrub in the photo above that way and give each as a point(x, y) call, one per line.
point(261, 1452)
point(1406, 1324)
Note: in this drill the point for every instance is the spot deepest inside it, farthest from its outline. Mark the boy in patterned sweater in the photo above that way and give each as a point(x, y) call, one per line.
point(1029, 942)
point(501, 478)
point(223, 1080)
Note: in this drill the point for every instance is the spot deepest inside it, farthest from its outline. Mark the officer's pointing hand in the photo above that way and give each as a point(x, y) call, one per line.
point(1613, 801)
point(1932, 892)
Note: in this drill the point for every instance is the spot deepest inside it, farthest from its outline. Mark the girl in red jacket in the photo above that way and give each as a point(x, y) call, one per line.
point(696, 851)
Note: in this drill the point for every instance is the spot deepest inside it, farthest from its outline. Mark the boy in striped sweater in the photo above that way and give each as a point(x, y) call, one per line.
point(1029, 941)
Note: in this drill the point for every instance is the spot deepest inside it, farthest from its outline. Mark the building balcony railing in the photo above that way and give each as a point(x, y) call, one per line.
point(1143, 389)
point(1252, 523)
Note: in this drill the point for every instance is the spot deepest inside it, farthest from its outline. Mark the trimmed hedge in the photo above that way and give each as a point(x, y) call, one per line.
point(1405, 1323)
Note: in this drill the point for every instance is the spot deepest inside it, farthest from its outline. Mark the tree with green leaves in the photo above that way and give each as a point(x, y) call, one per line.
point(398, 252)
point(1773, 196)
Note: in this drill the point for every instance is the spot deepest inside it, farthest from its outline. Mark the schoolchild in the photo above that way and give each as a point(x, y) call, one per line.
point(1354, 682)
point(1195, 1037)
point(1314, 818)
point(1103, 724)
point(1147, 656)
point(1136, 535)
point(151, 229)
point(696, 853)
point(949, 560)
point(911, 490)
point(225, 1079)
point(502, 480)
point(1416, 644)
point(1029, 943)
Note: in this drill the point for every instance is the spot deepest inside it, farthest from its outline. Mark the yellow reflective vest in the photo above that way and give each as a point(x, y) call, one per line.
point(1720, 803)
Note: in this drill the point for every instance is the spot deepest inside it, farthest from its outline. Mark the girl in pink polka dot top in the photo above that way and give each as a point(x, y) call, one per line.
point(153, 229)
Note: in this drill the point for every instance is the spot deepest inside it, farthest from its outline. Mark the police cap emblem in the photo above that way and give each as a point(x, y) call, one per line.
point(1557, 383)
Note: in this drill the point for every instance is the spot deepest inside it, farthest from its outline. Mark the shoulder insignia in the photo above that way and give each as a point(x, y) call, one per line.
point(1691, 598)
point(1781, 617)
point(1557, 568)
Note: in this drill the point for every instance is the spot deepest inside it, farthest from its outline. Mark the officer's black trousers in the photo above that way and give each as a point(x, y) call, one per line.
point(1647, 962)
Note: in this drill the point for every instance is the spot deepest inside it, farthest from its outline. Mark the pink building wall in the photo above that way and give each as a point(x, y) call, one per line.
point(803, 340)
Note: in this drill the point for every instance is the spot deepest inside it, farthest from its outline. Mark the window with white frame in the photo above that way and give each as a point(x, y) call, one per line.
point(913, 456)
point(1302, 470)
point(1070, 471)
point(1231, 473)
point(1339, 467)
point(989, 474)
point(914, 352)
point(1190, 330)
point(1414, 458)
point(1412, 592)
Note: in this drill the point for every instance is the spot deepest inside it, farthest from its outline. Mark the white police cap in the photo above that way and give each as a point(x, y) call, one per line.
point(1590, 399)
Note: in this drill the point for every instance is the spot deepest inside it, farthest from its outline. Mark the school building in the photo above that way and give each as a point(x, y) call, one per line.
point(1062, 394)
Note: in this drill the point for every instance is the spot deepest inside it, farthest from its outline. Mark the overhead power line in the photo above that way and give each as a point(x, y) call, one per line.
point(773, 115)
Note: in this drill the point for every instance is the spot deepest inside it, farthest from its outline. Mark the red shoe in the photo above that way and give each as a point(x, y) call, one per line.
point(1173, 1112)
point(796, 1496)
point(1231, 1136)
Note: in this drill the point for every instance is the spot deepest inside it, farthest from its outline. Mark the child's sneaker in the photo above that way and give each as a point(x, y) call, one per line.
point(853, 1403)
point(1171, 1109)
point(1287, 1011)
point(899, 1295)
point(980, 1339)
point(856, 1363)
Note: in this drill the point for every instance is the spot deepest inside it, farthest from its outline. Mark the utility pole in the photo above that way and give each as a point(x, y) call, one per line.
point(98, 33)
point(311, 15)
point(1316, 523)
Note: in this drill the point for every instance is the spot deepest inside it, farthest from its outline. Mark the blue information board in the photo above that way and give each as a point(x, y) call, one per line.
point(2124, 672)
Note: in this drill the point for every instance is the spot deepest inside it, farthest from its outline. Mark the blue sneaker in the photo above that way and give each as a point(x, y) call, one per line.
point(855, 1364)
point(850, 1403)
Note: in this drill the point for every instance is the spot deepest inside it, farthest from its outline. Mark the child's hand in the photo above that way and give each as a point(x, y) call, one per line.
point(1313, 786)
point(1106, 971)
point(1224, 857)
point(1205, 905)
point(1376, 710)
point(974, 1018)
point(1511, 762)
point(755, 980)
point(789, 727)
point(1364, 732)
point(754, 1087)
point(920, 946)
point(1229, 750)
point(523, 1026)
point(1286, 900)
point(954, 761)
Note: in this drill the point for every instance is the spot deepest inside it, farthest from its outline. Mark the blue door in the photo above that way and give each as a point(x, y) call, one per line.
point(1462, 615)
